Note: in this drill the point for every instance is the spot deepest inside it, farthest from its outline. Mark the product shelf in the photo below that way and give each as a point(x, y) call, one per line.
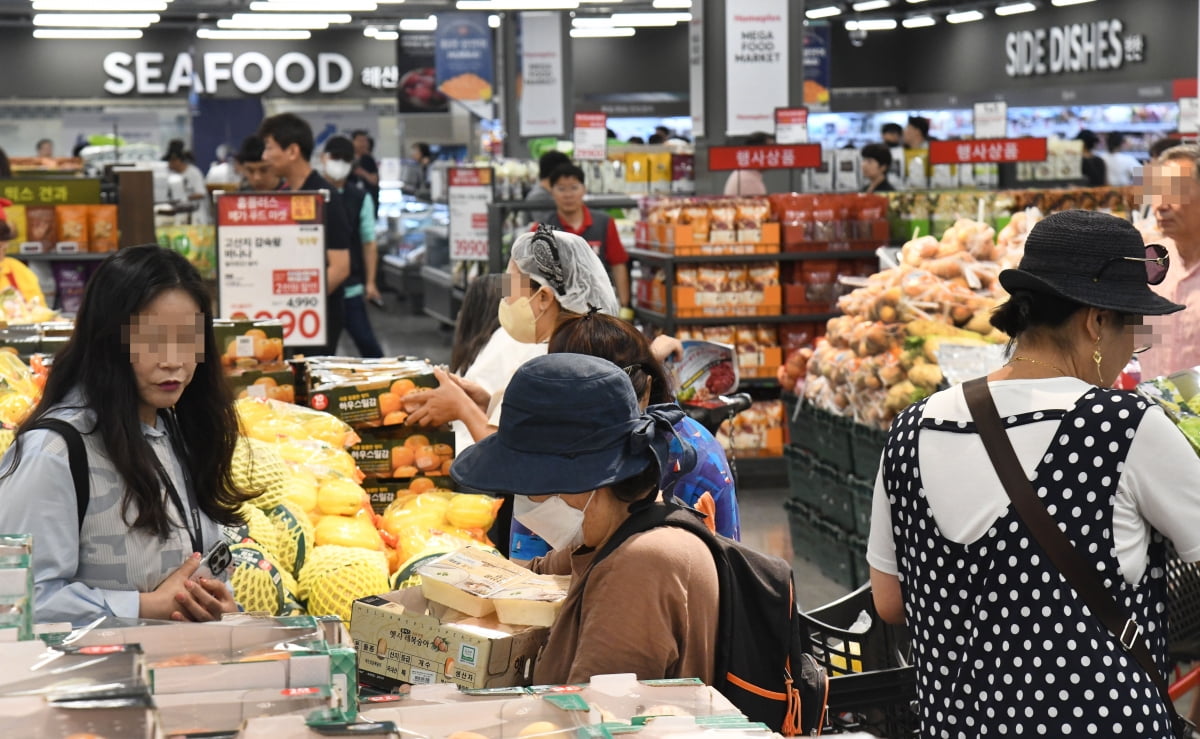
point(662, 320)
point(657, 257)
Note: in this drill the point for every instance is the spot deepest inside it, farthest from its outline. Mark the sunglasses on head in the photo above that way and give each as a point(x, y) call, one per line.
point(1156, 260)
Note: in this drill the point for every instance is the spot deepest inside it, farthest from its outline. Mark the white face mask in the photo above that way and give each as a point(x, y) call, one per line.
point(518, 320)
point(337, 170)
point(559, 524)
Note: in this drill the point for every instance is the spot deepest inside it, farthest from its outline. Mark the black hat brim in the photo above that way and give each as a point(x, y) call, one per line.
point(1147, 303)
point(491, 466)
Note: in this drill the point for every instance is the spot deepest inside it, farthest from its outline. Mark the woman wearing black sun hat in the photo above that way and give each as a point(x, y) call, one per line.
point(1002, 638)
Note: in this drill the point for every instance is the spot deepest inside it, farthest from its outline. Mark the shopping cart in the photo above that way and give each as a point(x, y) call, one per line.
point(872, 686)
point(1183, 631)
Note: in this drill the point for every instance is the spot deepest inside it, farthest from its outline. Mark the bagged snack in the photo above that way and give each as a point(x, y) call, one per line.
point(752, 213)
point(72, 223)
point(724, 222)
point(40, 226)
point(15, 215)
point(102, 227)
point(698, 216)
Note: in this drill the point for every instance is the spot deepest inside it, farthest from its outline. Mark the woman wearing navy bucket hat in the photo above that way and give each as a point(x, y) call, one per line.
point(979, 483)
point(573, 439)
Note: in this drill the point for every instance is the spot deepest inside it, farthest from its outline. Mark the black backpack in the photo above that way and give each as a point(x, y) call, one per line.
point(76, 458)
point(761, 665)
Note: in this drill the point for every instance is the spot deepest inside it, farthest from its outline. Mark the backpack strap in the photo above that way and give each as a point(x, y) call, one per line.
point(76, 458)
point(653, 516)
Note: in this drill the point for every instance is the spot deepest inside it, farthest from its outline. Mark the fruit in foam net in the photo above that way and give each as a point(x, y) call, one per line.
point(334, 577)
point(300, 491)
point(255, 579)
point(296, 536)
point(339, 497)
point(258, 468)
point(260, 528)
point(348, 531)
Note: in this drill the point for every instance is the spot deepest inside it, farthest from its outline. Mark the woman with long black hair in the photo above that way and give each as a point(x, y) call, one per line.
point(140, 382)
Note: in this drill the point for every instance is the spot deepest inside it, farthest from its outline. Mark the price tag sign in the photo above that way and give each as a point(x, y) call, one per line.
point(470, 193)
point(591, 136)
point(991, 120)
point(1189, 115)
point(271, 261)
point(791, 125)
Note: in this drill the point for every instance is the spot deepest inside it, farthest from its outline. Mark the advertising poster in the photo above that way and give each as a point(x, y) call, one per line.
point(470, 192)
point(756, 64)
point(696, 68)
point(591, 137)
point(818, 74)
point(417, 66)
point(271, 261)
point(542, 74)
point(791, 126)
point(991, 120)
point(465, 67)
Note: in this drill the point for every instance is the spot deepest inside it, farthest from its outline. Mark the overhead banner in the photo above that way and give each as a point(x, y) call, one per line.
point(991, 151)
point(794, 156)
point(818, 71)
point(756, 64)
point(542, 110)
point(696, 68)
point(416, 63)
point(465, 67)
point(271, 261)
point(470, 193)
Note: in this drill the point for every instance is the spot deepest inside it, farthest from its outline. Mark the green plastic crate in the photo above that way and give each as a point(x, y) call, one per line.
point(862, 492)
point(824, 435)
point(822, 543)
point(867, 446)
point(822, 488)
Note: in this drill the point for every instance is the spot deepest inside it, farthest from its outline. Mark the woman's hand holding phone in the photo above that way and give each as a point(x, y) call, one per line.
point(178, 598)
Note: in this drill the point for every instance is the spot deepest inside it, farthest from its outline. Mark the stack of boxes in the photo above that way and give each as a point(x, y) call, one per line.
point(253, 357)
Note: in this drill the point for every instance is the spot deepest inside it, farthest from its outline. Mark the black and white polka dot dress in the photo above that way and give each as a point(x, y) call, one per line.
point(1002, 645)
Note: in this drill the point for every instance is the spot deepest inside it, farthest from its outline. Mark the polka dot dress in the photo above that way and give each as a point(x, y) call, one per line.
point(1002, 644)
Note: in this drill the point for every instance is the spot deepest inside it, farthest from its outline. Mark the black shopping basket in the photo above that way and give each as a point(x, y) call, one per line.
point(872, 686)
point(1183, 609)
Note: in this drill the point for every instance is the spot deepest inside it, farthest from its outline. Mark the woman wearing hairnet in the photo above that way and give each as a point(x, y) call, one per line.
point(552, 275)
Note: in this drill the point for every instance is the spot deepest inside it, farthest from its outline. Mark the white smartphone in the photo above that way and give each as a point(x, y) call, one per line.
point(215, 565)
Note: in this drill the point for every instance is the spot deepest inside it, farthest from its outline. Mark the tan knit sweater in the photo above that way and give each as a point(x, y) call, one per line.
point(649, 608)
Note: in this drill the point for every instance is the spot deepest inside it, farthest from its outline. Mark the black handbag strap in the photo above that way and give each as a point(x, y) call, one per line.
point(1078, 571)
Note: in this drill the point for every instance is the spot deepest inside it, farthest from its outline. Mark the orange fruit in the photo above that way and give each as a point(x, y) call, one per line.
point(443, 450)
point(257, 333)
point(403, 387)
point(395, 418)
point(402, 456)
point(266, 381)
point(428, 462)
point(416, 441)
point(282, 393)
point(405, 471)
point(421, 485)
point(446, 467)
point(389, 403)
point(264, 350)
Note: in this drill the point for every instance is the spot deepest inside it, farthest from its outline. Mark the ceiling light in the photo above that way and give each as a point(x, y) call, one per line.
point(144, 6)
point(387, 36)
point(315, 21)
point(643, 20)
point(517, 4)
point(673, 4)
point(872, 5)
point(914, 2)
point(601, 21)
point(419, 24)
point(314, 6)
point(1061, 3)
point(826, 12)
point(390, 2)
point(1016, 8)
point(612, 32)
point(964, 17)
point(882, 24)
point(919, 21)
point(493, 21)
point(247, 35)
point(96, 20)
point(87, 33)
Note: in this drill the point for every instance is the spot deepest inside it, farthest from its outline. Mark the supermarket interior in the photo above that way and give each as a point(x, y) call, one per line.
point(345, 343)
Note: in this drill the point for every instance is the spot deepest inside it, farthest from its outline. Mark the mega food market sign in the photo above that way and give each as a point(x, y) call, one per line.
point(1077, 47)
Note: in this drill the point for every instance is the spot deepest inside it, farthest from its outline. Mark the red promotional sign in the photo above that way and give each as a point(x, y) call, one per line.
point(268, 210)
point(591, 136)
point(987, 151)
point(470, 177)
point(791, 125)
point(795, 156)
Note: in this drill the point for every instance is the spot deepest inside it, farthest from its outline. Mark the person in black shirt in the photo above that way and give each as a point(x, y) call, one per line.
point(366, 168)
point(1094, 169)
point(288, 147)
point(876, 161)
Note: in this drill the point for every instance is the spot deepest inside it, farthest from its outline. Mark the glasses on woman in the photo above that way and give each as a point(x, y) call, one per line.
point(1157, 262)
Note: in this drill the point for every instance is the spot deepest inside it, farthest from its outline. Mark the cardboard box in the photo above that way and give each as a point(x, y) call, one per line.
point(403, 638)
point(278, 385)
point(369, 402)
point(404, 452)
point(250, 345)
